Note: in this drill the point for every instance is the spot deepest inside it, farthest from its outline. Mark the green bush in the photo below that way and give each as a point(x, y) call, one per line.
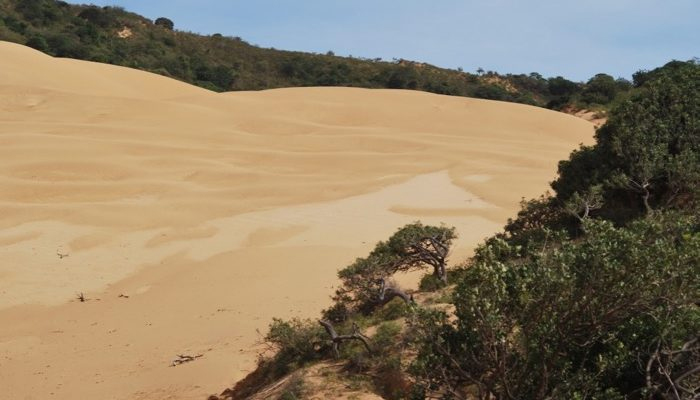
point(430, 283)
point(601, 305)
point(395, 309)
point(601, 89)
point(647, 156)
point(38, 43)
point(387, 337)
point(583, 314)
point(165, 23)
point(297, 341)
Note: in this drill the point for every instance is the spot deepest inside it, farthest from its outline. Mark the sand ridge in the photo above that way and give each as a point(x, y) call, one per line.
point(196, 204)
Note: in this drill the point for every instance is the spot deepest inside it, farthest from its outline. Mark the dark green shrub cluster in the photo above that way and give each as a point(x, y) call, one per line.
point(296, 342)
point(573, 320)
point(647, 156)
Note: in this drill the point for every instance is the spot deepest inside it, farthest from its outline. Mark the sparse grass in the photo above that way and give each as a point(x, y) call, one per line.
point(444, 297)
point(295, 388)
point(387, 338)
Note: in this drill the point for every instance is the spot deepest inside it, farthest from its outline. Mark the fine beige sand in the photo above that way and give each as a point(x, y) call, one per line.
point(189, 219)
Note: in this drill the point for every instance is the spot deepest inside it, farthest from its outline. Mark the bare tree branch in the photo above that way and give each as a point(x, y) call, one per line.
point(338, 339)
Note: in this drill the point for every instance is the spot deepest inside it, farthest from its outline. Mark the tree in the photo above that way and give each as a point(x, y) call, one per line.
point(165, 23)
point(98, 16)
point(562, 90)
point(416, 245)
point(491, 92)
point(38, 12)
point(366, 283)
point(647, 156)
point(66, 45)
point(402, 77)
point(601, 89)
point(38, 43)
point(560, 86)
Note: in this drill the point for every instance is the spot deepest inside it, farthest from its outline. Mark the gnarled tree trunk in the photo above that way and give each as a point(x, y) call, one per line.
point(338, 339)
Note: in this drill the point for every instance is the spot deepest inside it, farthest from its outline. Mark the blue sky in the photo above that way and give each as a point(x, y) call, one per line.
point(573, 38)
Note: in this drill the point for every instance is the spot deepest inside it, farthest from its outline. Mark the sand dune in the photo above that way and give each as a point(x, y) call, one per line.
point(196, 205)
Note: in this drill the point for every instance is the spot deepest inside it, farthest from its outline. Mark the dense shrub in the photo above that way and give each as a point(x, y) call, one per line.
point(296, 342)
point(572, 320)
point(165, 23)
point(38, 43)
point(647, 155)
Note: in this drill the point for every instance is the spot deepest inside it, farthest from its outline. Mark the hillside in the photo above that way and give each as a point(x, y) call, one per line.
point(590, 293)
point(188, 219)
point(115, 36)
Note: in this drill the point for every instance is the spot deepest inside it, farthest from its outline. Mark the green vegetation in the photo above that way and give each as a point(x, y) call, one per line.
point(594, 293)
point(647, 157)
point(115, 36)
point(590, 293)
point(578, 320)
point(366, 283)
point(368, 298)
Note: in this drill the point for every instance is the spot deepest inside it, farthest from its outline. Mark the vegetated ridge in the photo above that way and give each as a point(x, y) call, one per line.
point(220, 63)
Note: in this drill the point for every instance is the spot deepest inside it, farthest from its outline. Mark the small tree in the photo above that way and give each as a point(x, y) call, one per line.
point(165, 23)
point(365, 283)
point(601, 89)
point(416, 245)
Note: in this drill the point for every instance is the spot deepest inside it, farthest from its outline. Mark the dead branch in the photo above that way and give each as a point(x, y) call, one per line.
point(387, 293)
point(184, 358)
point(660, 374)
point(642, 187)
point(338, 339)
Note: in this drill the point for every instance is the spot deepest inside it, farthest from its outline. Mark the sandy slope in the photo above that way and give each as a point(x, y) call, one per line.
point(215, 212)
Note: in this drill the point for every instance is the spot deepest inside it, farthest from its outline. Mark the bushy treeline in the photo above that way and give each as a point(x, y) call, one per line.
point(115, 36)
point(593, 293)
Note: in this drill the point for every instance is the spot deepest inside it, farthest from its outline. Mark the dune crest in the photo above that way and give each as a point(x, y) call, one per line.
point(175, 210)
